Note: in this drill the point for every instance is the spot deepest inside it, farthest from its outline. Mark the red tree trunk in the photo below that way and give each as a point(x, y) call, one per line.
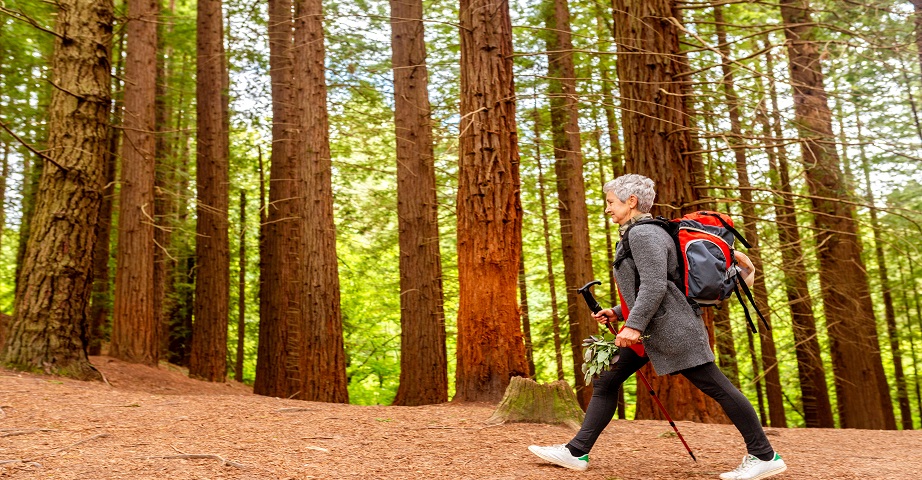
point(571, 189)
point(423, 354)
point(657, 144)
point(490, 346)
point(135, 333)
point(322, 358)
point(861, 386)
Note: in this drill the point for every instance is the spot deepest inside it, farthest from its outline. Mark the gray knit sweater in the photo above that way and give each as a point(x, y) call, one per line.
point(677, 336)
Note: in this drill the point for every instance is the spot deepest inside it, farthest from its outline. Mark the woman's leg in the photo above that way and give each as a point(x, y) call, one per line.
point(710, 380)
point(604, 400)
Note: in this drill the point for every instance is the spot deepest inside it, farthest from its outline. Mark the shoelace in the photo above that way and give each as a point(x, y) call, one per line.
point(747, 461)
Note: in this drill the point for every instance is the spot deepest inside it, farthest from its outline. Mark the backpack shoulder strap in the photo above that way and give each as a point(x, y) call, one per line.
point(626, 245)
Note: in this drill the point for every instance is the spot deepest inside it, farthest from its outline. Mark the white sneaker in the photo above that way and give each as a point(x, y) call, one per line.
point(559, 455)
point(754, 469)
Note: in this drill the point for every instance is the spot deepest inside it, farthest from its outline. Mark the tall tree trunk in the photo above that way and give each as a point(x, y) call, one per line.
point(490, 347)
point(546, 230)
point(812, 373)
point(241, 288)
point(101, 303)
point(423, 353)
point(657, 142)
point(861, 386)
point(902, 396)
point(526, 321)
point(750, 230)
point(212, 283)
point(609, 244)
point(571, 189)
point(322, 357)
point(181, 287)
point(164, 184)
point(909, 330)
point(279, 292)
point(48, 331)
point(135, 333)
point(4, 173)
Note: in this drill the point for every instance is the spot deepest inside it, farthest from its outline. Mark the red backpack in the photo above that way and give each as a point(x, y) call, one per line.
point(708, 272)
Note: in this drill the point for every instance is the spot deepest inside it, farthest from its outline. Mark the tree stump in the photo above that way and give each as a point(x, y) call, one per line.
point(527, 401)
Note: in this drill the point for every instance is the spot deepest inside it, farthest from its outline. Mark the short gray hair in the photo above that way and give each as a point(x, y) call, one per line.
point(633, 184)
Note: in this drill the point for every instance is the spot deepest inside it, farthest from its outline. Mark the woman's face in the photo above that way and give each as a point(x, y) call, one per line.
point(620, 211)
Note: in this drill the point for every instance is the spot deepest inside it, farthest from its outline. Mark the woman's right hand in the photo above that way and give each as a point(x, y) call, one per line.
point(604, 316)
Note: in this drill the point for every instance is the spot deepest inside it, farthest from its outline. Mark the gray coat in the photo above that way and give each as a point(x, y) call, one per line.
point(677, 336)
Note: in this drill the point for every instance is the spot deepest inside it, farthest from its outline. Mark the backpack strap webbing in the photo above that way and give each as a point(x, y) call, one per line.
point(729, 227)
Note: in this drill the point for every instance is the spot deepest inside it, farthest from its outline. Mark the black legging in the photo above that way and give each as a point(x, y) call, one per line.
point(708, 378)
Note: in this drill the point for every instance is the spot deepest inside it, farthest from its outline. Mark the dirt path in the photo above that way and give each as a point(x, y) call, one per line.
point(65, 429)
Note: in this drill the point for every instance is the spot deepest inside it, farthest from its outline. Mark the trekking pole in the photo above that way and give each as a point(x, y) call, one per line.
point(596, 308)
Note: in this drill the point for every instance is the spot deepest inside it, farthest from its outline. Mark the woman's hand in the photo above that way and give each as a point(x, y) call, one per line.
point(605, 316)
point(627, 337)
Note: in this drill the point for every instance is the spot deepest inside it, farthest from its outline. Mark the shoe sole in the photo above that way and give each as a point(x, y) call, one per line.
point(558, 462)
point(771, 473)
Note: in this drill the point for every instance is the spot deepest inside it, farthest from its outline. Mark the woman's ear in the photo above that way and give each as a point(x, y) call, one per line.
point(632, 201)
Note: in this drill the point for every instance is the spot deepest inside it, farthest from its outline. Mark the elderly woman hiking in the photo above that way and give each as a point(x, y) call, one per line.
point(675, 339)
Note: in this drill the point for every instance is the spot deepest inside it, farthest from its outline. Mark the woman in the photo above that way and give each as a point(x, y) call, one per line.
point(675, 339)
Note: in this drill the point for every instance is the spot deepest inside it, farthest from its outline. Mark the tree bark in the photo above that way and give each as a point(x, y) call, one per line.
point(279, 292)
point(490, 348)
point(135, 333)
point(811, 371)
point(902, 395)
point(164, 185)
point(241, 289)
point(546, 230)
point(861, 386)
point(657, 143)
point(423, 353)
point(48, 331)
point(750, 230)
point(322, 357)
point(212, 283)
point(571, 189)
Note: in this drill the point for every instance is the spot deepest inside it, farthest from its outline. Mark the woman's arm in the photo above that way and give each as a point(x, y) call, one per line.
point(650, 247)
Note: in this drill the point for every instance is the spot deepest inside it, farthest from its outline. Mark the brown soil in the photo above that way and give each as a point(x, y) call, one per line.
point(143, 424)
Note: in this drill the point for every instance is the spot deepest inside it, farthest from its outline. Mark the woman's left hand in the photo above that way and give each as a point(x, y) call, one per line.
point(627, 337)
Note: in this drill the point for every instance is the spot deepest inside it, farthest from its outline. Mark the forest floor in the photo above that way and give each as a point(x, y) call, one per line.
point(153, 423)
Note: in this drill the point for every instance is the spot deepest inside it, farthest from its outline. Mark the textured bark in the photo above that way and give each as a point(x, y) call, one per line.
point(164, 187)
point(861, 386)
point(902, 396)
point(423, 354)
point(212, 283)
point(811, 371)
point(657, 144)
point(241, 288)
point(48, 331)
point(571, 189)
point(322, 357)
point(750, 230)
point(546, 230)
point(101, 300)
point(490, 348)
point(31, 173)
point(279, 292)
point(135, 336)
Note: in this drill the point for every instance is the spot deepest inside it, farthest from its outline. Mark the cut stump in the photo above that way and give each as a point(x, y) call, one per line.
point(527, 401)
